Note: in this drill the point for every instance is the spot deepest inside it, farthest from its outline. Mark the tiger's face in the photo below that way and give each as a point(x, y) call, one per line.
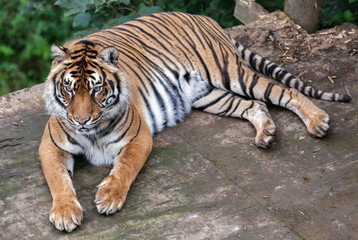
point(85, 85)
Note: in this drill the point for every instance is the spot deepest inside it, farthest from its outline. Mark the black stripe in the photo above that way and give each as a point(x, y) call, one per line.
point(118, 87)
point(253, 84)
point(281, 76)
point(288, 100)
point(296, 85)
point(268, 92)
point(56, 87)
point(148, 107)
point(213, 102)
point(289, 79)
point(237, 105)
point(252, 60)
point(241, 74)
point(53, 141)
point(262, 65)
point(247, 109)
point(311, 91)
point(229, 107)
point(85, 42)
point(271, 70)
point(303, 87)
point(215, 58)
point(226, 75)
point(281, 96)
point(161, 102)
point(243, 54)
point(114, 123)
point(93, 64)
point(124, 133)
point(139, 128)
point(232, 96)
point(69, 137)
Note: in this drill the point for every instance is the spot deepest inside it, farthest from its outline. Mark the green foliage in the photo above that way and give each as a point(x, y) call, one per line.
point(27, 30)
point(336, 12)
point(94, 15)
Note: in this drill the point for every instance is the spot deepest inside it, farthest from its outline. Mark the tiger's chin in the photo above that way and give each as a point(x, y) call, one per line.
point(85, 129)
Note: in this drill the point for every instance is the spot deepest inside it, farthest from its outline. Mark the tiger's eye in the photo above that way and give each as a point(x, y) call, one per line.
point(68, 88)
point(97, 88)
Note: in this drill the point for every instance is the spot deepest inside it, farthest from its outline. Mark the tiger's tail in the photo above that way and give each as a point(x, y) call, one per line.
point(279, 74)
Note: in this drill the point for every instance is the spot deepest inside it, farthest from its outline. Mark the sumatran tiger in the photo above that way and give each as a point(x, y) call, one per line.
point(110, 92)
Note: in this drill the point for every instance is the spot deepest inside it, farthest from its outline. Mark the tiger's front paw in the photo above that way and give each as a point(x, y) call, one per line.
point(111, 195)
point(66, 213)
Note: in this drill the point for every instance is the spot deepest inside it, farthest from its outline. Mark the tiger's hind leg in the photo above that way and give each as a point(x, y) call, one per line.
point(245, 82)
point(225, 103)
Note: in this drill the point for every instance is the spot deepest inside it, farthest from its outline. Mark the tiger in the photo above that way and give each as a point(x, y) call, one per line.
point(110, 92)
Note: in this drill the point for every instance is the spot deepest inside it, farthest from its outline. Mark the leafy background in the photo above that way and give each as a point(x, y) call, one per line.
point(29, 27)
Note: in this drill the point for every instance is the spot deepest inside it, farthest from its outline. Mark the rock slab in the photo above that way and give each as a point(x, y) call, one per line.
point(204, 180)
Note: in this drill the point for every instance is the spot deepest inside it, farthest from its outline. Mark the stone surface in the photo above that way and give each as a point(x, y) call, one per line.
point(204, 180)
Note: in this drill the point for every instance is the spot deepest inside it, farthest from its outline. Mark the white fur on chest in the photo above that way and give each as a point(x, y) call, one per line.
point(100, 152)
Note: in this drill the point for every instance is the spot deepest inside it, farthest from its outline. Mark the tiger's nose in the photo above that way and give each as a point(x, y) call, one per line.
point(81, 121)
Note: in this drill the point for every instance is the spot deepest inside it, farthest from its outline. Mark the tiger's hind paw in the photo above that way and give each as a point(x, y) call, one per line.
point(266, 137)
point(318, 124)
point(319, 128)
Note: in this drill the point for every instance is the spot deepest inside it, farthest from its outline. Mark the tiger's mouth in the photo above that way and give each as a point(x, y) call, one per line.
point(84, 122)
point(86, 127)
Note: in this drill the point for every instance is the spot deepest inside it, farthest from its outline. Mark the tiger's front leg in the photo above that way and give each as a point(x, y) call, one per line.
point(112, 191)
point(66, 213)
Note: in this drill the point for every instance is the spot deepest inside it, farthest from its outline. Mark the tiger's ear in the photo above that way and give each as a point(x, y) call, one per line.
point(110, 55)
point(59, 53)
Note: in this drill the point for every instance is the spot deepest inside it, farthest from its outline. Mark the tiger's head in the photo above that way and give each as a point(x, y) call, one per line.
point(85, 85)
